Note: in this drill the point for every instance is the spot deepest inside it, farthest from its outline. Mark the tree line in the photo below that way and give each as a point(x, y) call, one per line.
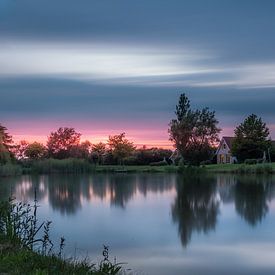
point(66, 143)
point(194, 134)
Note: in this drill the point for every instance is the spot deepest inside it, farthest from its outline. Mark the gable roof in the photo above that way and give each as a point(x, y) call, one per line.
point(228, 141)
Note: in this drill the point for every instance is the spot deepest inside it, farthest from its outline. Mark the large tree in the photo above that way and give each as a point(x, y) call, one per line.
point(251, 139)
point(5, 145)
point(193, 132)
point(120, 146)
point(62, 141)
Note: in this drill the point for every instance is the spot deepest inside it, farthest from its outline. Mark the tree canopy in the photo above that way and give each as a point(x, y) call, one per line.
point(60, 142)
point(193, 132)
point(120, 146)
point(251, 139)
point(35, 151)
point(5, 144)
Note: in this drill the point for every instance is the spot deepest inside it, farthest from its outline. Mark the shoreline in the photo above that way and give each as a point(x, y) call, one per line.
point(76, 166)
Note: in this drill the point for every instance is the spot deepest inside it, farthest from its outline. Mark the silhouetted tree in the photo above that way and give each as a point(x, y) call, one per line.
point(60, 142)
point(196, 206)
point(251, 139)
point(120, 147)
point(193, 132)
point(6, 144)
point(35, 151)
point(81, 150)
point(98, 152)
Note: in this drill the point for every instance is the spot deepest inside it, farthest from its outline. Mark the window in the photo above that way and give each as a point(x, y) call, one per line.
point(227, 158)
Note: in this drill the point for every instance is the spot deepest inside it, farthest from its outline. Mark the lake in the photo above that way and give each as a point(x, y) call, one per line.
point(159, 223)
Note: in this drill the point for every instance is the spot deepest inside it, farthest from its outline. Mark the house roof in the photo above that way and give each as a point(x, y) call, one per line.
point(228, 141)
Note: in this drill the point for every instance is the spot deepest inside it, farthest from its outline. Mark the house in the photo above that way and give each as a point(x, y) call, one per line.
point(224, 151)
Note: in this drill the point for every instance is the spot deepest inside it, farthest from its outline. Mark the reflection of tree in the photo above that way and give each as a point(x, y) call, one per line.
point(251, 194)
point(122, 188)
point(65, 193)
point(196, 206)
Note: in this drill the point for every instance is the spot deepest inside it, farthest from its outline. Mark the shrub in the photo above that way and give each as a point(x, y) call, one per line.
point(66, 166)
point(206, 162)
point(251, 161)
point(10, 170)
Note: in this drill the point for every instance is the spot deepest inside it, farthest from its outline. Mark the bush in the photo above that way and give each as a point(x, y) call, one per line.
point(206, 162)
point(66, 166)
point(251, 161)
point(10, 170)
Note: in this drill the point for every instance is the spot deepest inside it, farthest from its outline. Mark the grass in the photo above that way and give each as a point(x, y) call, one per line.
point(80, 166)
point(64, 166)
point(266, 168)
point(10, 170)
point(24, 251)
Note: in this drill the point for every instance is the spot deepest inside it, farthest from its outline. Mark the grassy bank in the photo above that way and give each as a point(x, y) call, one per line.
point(267, 168)
point(25, 246)
point(80, 166)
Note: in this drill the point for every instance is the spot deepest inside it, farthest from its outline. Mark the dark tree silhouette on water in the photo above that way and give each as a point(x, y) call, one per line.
point(196, 207)
point(251, 196)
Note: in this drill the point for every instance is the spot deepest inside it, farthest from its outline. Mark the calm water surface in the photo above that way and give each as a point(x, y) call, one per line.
point(160, 223)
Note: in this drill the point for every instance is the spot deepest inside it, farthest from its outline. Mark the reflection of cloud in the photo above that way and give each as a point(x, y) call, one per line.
point(131, 65)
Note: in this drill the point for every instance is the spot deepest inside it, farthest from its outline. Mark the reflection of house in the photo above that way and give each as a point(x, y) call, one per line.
point(224, 151)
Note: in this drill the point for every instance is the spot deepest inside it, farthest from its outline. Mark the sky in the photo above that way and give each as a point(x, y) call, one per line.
point(106, 67)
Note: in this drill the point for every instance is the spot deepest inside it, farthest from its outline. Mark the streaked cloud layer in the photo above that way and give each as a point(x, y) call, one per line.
point(121, 65)
point(141, 65)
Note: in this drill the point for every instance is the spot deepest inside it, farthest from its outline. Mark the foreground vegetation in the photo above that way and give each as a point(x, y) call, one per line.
point(24, 249)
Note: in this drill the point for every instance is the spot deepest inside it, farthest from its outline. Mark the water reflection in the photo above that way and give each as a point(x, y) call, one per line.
point(196, 206)
point(251, 197)
point(195, 200)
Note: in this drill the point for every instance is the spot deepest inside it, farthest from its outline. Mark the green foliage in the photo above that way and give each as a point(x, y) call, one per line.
point(35, 151)
point(120, 147)
point(5, 145)
point(66, 166)
point(98, 152)
point(251, 139)
point(193, 132)
point(10, 170)
point(260, 168)
point(251, 161)
point(19, 253)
